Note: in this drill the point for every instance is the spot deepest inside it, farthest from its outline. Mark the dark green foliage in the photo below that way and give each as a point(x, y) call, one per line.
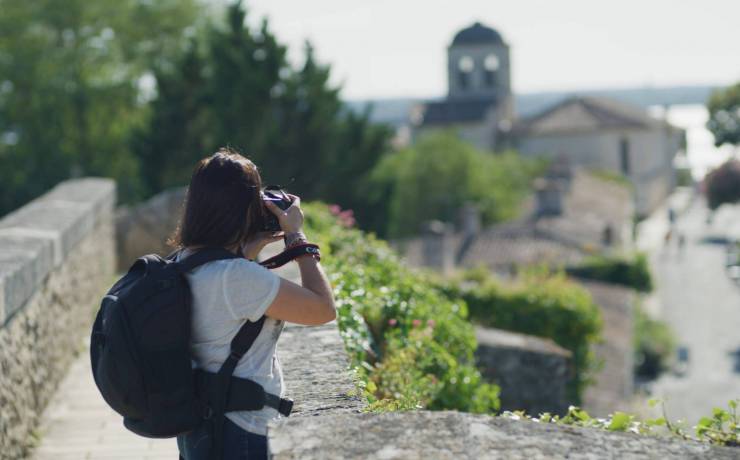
point(723, 184)
point(233, 86)
point(654, 345)
point(632, 272)
point(71, 102)
point(435, 177)
point(724, 115)
point(69, 95)
point(412, 346)
point(541, 304)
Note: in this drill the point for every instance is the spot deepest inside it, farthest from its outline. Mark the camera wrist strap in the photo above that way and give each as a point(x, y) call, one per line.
point(291, 254)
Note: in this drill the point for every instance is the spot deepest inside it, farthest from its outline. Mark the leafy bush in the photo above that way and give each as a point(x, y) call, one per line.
point(540, 303)
point(722, 428)
point(723, 184)
point(628, 271)
point(411, 346)
point(654, 345)
point(724, 115)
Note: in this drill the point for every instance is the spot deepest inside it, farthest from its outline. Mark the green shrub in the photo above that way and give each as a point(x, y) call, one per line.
point(632, 272)
point(721, 428)
point(654, 345)
point(411, 345)
point(540, 303)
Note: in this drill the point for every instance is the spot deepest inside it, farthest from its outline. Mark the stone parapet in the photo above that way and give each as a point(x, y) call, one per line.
point(56, 254)
point(38, 237)
point(455, 435)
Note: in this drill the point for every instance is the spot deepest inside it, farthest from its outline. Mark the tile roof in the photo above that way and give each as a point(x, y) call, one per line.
point(588, 114)
point(477, 34)
point(456, 111)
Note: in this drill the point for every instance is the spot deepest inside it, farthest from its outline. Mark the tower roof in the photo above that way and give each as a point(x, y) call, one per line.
point(477, 34)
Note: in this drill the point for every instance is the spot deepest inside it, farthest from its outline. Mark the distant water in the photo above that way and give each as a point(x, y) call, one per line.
point(701, 154)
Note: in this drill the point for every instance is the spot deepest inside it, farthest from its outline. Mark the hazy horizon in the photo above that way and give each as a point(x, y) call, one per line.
point(388, 49)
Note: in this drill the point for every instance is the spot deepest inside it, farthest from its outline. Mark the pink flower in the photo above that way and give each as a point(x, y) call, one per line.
point(392, 322)
point(416, 322)
point(430, 323)
point(335, 209)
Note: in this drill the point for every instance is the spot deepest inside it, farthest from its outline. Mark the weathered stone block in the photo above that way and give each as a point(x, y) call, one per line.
point(24, 263)
point(532, 372)
point(145, 228)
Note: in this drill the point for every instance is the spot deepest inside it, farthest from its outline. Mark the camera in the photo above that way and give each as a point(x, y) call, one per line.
point(276, 195)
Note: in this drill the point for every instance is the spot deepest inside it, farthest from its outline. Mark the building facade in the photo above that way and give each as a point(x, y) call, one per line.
point(604, 135)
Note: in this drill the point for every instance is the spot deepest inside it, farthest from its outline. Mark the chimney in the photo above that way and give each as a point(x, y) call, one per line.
point(560, 170)
point(549, 194)
point(469, 220)
point(437, 250)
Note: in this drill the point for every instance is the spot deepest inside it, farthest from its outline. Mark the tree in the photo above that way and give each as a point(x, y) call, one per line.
point(723, 184)
point(724, 115)
point(437, 176)
point(233, 86)
point(69, 87)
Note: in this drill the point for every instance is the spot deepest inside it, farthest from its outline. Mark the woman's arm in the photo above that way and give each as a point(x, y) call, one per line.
point(313, 302)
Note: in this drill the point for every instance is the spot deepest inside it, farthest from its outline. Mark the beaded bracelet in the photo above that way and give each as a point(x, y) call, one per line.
point(295, 239)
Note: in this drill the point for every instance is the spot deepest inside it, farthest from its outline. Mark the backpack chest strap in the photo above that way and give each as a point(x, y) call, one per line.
point(243, 394)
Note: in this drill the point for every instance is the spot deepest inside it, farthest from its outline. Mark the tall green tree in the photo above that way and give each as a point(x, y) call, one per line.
point(234, 86)
point(70, 75)
point(724, 115)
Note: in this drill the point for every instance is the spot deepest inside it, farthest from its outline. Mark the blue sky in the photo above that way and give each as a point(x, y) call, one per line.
point(391, 48)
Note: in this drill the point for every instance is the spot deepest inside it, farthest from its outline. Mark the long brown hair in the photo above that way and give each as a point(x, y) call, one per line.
point(223, 207)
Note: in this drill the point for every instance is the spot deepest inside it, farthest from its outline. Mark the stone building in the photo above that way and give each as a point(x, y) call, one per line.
point(479, 103)
point(596, 133)
point(606, 135)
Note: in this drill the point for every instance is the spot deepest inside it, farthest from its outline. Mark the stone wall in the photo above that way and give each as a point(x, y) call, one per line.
point(56, 255)
point(145, 227)
point(532, 372)
point(613, 386)
point(455, 435)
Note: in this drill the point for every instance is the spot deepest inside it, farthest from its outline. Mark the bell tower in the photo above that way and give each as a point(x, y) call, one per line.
point(478, 66)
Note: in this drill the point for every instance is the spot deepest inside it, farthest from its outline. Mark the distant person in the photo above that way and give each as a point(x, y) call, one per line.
point(671, 216)
point(681, 241)
point(667, 237)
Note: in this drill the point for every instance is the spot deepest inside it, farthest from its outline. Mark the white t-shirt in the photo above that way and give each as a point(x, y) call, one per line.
point(227, 293)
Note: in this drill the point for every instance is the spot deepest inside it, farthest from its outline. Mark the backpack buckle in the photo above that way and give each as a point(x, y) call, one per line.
point(285, 407)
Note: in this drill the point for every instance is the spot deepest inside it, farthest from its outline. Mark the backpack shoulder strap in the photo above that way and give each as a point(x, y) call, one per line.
point(203, 256)
point(240, 344)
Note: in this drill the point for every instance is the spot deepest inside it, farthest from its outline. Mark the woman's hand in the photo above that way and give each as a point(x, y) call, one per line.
point(252, 248)
point(291, 219)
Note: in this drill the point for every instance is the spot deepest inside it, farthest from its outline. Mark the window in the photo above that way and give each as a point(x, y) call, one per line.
point(624, 156)
point(465, 67)
point(490, 66)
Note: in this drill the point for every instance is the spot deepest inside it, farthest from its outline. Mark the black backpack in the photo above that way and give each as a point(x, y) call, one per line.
point(140, 352)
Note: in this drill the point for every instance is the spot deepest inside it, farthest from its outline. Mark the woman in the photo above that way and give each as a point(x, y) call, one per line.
point(224, 208)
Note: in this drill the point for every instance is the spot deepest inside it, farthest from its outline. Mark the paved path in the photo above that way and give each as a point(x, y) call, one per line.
point(702, 305)
point(79, 425)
